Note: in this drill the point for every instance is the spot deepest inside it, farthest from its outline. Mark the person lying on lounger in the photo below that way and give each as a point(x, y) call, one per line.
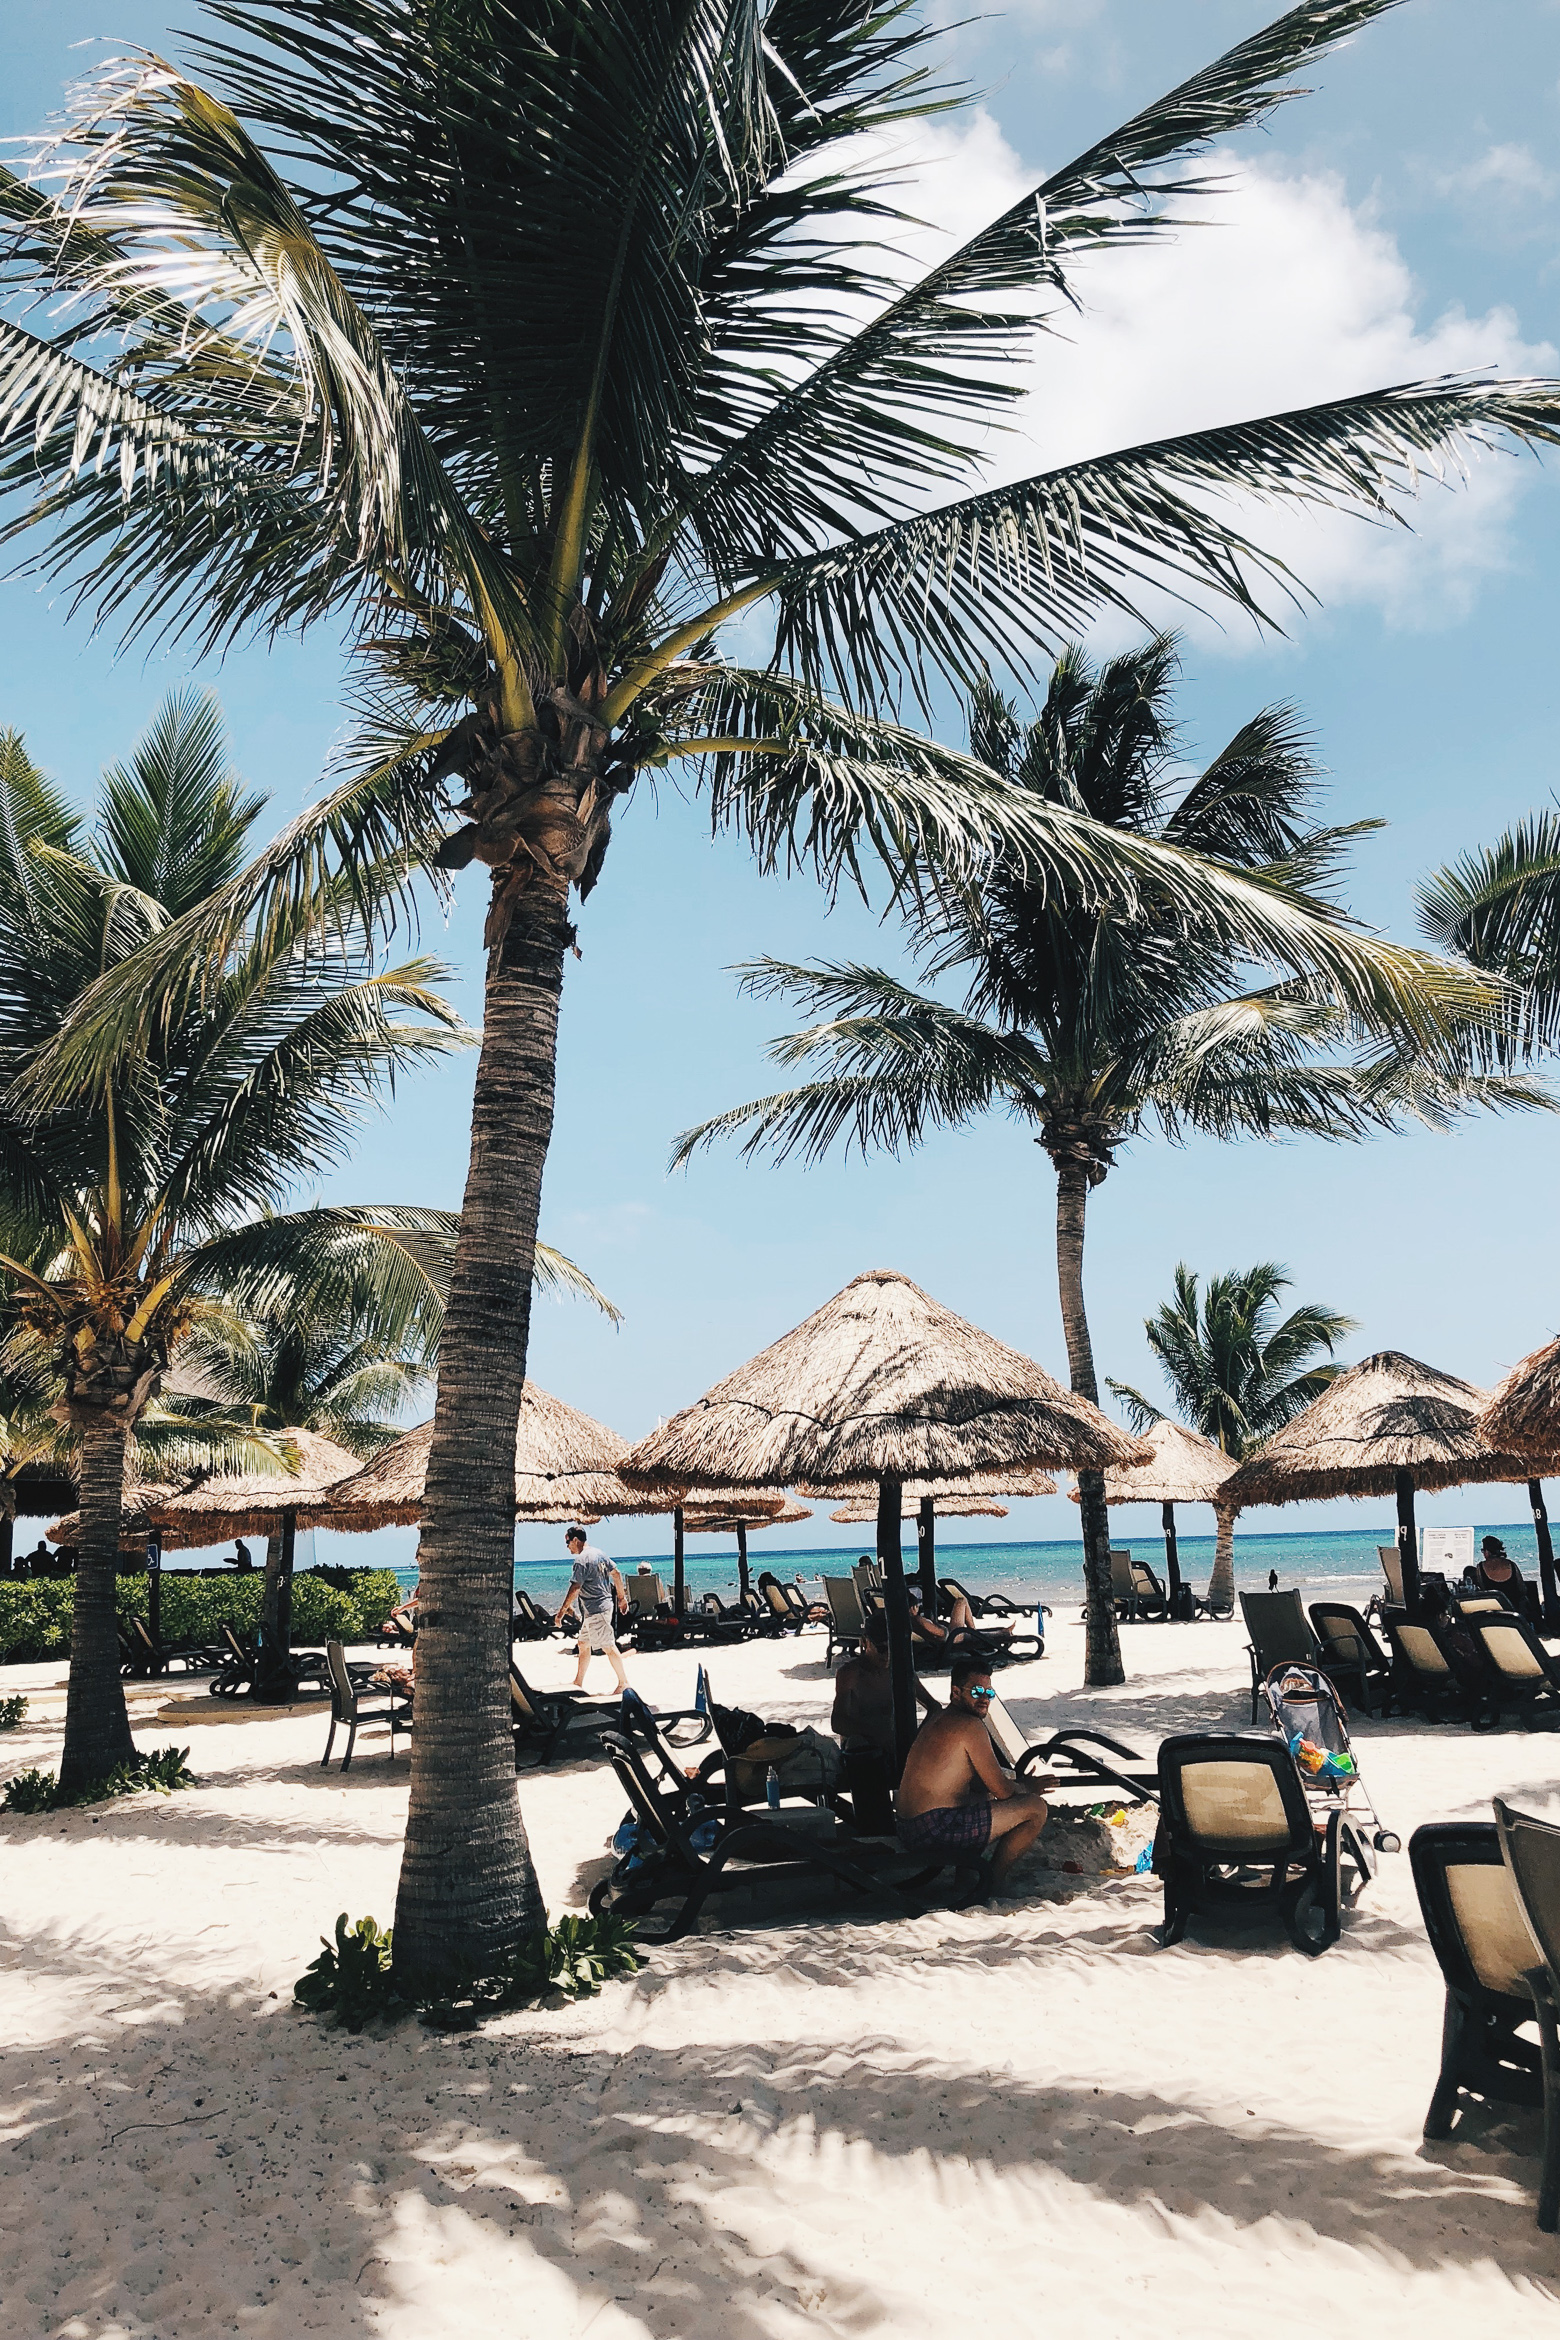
point(955, 1799)
point(952, 1631)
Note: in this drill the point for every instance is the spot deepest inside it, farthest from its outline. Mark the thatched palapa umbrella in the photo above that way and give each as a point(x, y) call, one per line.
point(1183, 1467)
point(970, 1499)
point(1389, 1426)
point(739, 1512)
point(1523, 1417)
point(880, 1385)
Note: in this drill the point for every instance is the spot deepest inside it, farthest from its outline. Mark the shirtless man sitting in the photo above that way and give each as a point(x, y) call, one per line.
point(955, 1798)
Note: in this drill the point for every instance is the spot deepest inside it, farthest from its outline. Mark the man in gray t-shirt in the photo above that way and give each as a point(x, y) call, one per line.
point(599, 1593)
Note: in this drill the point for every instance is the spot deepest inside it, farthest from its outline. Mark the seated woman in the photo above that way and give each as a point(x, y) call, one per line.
point(1495, 1571)
point(959, 1629)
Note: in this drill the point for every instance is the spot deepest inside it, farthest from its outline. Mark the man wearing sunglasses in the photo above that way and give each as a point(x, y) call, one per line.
point(955, 1799)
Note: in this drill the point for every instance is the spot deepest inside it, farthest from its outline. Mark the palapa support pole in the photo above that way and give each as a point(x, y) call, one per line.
point(1172, 1561)
point(1549, 1598)
point(896, 1603)
point(276, 1675)
point(1408, 1543)
point(679, 1587)
point(154, 1584)
point(926, 1548)
point(743, 1586)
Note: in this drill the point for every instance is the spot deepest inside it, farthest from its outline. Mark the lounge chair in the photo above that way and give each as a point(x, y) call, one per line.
point(1522, 1674)
point(1392, 1569)
point(1151, 1602)
point(1424, 1679)
point(1352, 1657)
point(847, 1618)
point(1074, 1761)
point(395, 1633)
point(744, 1848)
point(145, 1656)
point(1237, 1839)
point(1485, 1949)
point(528, 1620)
point(996, 1604)
point(354, 1703)
point(1531, 1852)
point(543, 1720)
point(1278, 1636)
point(239, 1666)
point(647, 1597)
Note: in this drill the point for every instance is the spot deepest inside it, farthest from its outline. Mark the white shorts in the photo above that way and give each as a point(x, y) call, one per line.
point(598, 1628)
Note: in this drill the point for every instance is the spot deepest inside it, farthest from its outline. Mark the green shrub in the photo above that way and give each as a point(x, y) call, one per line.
point(12, 1711)
point(351, 1981)
point(161, 1768)
point(354, 1979)
point(35, 1618)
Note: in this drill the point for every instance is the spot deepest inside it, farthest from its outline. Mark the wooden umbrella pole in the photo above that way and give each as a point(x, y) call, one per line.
point(679, 1588)
point(743, 1586)
point(1408, 1543)
point(926, 1547)
point(1549, 1598)
point(1172, 1560)
point(896, 1602)
point(276, 1611)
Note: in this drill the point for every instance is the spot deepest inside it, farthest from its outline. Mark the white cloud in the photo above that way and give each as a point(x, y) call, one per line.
point(1290, 296)
point(1509, 170)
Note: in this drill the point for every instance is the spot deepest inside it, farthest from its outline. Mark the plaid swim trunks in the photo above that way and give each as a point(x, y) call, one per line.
point(953, 1828)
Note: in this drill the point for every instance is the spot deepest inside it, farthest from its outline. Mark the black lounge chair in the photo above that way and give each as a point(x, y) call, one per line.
point(847, 1617)
point(1523, 1677)
point(1237, 1839)
point(528, 1621)
point(1070, 1754)
point(1485, 1949)
point(146, 1656)
point(240, 1668)
point(789, 1606)
point(1139, 1596)
point(1426, 1681)
point(1352, 1658)
point(354, 1703)
point(395, 1633)
point(1531, 1850)
point(996, 1604)
point(795, 1841)
point(544, 1720)
point(1278, 1636)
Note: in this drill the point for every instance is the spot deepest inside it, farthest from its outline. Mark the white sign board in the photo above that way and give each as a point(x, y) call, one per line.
point(1448, 1551)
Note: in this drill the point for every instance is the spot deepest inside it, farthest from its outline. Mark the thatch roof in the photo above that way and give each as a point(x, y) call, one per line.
point(565, 1469)
point(251, 1503)
point(1386, 1414)
point(140, 1497)
point(882, 1378)
point(947, 1507)
point(1523, 1417)
point(727, 1512)
point(1185, 1468)
point(979, 1483)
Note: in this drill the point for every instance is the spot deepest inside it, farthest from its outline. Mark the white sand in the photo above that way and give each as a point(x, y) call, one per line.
point(1019, 2119)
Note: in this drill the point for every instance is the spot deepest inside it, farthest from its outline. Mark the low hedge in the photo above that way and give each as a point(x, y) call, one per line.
point(35, 1618)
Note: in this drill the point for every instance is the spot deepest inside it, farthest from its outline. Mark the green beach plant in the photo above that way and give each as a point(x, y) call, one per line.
point(1092, 1024)
point(354, 1977)
point(161, 1770)
point(561, 353)
point(1237, 1371)
point(13, 1711)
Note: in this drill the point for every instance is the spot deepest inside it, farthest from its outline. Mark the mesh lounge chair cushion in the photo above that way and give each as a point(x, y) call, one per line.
point(1279, 1632)
point(1422, 1651)
point(1121, 1575)
point(1343, 1641)
point(1495, 1933)
point(1235, 1804)
point(1532, 1853)
point(1508, 1652)
point(1004, 1733)
point(1392, 1569)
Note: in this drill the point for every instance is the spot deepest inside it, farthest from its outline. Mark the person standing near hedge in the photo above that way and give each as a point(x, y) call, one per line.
point(601, 1596)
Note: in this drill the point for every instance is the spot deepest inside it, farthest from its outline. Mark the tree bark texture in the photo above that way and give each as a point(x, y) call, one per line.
point(1102, 1663)
point(468, 1892)
point(7, 1538)
point(1221, 1584)
point(277, 1679)
point(97, 1726)
point(896, 1603)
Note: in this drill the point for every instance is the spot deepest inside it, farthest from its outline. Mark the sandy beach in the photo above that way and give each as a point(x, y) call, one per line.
point(1027, 2114)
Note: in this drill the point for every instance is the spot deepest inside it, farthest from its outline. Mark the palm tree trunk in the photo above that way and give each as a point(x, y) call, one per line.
point(1221, 1584)
point(1102, 1662)
point(97, 1727)
point(468, 1893)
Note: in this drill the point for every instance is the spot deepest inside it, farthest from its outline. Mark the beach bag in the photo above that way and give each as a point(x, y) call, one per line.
point(804, 1762)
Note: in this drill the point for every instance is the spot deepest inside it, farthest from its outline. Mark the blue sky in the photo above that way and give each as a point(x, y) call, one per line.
point(1404, 221)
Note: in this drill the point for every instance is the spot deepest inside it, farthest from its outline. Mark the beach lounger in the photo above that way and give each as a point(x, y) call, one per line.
point(354, 1704)
point(528, 1620)
point(1523, 1677)
point(1352, 1657)
point(1279, 1636)
point(1485, 1949)
point(647, 1597)
point(1151, 1602)
point(395, 1633)
point(847, 1618)
point(1070, 1754)
point(1237, 1839)
point(996, 1604)
point(1392, 1569)
point(544, 1720)
point(1424, 1679)
point(145, 1656)
point(1531, 1852)
point(737, 1849)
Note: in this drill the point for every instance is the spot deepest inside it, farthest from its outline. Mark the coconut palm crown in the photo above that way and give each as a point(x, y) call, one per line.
point(537, 345)
point(1092, 1024)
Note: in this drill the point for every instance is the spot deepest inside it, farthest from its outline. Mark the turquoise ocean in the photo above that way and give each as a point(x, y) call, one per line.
point(1342, 1562)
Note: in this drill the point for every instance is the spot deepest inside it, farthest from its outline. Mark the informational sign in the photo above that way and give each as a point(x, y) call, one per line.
point(1448, 1551)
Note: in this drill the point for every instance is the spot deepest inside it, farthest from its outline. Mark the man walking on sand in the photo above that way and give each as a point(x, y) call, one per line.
point(955, 1799)
point(601, 1595)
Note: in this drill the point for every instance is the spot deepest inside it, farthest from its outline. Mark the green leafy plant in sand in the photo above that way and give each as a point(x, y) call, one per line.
point(162, 1769)
point(12, 1711)
point(353, 1978)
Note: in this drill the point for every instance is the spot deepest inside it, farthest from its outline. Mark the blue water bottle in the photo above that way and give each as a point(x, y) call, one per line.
point(1040, 1626)
point(772, 1789)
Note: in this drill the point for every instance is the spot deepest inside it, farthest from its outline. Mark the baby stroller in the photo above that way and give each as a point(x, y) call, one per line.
point(1308, 1715)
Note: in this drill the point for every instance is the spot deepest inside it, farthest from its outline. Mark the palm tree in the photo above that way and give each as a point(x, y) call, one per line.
point(136, 1214)
point(1499, 908)
point(1237, 1373)
point(538, 346)
point(1092, 1023)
